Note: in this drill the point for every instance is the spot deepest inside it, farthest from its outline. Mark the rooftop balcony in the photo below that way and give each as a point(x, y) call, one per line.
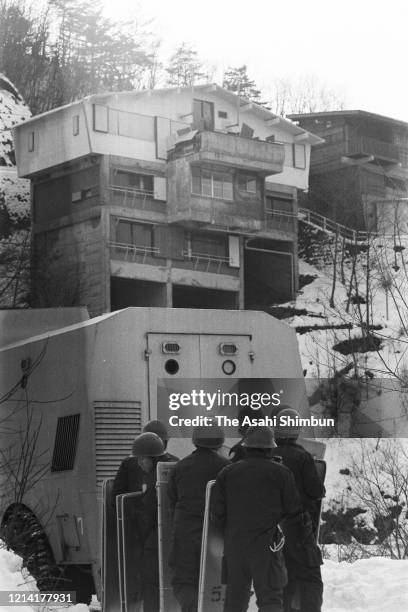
point(232, 151)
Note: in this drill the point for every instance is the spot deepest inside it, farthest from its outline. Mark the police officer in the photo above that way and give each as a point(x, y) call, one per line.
point(302, 554)
point(250, 498)
point(186, 489)
point(237, 452)
point(130, 477)
point(148, 449)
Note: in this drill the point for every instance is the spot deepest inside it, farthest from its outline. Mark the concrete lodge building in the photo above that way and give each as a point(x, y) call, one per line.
point(174, 197)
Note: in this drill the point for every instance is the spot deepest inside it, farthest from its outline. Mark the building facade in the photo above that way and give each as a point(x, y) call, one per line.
point(176, 197)
point(359, 174)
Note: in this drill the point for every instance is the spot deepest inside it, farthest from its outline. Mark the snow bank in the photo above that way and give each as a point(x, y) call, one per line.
point(12, 579)
point(368, 585)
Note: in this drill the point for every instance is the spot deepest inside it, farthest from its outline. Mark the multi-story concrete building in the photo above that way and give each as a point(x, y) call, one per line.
point(175, 197)
point(359, 174)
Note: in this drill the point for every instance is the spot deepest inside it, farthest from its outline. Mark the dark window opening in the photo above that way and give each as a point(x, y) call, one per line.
point(100, 118)
point(222, 114)
point(143, 183)
point(127, 292)
point(65, 445)
point(31, 142)
point(203, 115)
point(198, 297)
point(75, 125)
point(249, 184)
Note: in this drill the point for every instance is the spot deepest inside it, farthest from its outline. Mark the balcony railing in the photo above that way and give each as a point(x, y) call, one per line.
point(203, 262)
point(132, 253)
point(364, 145)
point(281, 220)
point(142, 199)
point(232, 150)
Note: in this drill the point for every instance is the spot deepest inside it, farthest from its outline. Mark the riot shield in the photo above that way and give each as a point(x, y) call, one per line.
point(110, 575)
point(211, 592)
point(168, 602)
point(321, 470)
point(130, 551)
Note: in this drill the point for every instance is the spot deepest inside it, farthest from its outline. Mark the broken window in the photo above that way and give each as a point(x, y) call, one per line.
point(247, 183)
point(100, 118)
point(203, 115)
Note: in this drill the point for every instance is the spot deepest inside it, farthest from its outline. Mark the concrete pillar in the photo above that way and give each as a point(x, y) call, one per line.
point(241, 293)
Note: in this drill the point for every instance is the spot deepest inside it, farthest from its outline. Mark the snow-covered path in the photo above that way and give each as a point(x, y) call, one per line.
point(368, 585)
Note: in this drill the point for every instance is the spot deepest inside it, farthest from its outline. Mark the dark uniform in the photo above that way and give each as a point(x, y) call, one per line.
point(131, 478)
point(250, 498)
point(186, 489)
point(302, 554)
point(150, 556)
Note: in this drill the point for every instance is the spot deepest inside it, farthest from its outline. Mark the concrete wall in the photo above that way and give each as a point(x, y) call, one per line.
point(68, 267)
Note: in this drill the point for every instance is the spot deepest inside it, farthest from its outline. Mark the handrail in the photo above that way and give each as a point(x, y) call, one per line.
point(134, 250)
point(206, 258)
point(326, 224)
point(134, 190)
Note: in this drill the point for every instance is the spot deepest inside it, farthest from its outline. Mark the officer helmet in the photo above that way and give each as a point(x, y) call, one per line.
point(208, 437)
point(247, 411)
point(259, 437)
point(158, 428)
point(287, 431)
point(147, 444)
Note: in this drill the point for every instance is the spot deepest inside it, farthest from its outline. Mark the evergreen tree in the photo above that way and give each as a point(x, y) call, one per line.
point(185, 69)
point(238, 81)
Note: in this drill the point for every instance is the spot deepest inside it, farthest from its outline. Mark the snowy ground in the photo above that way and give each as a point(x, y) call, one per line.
point(369, 585)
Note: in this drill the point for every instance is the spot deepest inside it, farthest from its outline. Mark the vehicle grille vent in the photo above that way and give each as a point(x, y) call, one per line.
point(171, 348)
point(116, 426)
point(65, 444)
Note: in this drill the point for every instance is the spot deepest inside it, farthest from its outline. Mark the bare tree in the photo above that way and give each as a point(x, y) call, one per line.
point(306, 95)
point(379, 482)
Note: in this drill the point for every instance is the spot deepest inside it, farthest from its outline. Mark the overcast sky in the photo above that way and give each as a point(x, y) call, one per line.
point(357, 47)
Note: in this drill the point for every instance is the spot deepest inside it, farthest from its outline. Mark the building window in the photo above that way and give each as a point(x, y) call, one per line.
point(143, 183)
point(203, 115)
point(211, 184)
point(100, 118)
point(299, 156)
point(83, 194)
point(279, 205)
point(247, 183)
point(205, 244)
point(135, 234)
point(30, 142)
point(222, 114)
point(75, 125)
